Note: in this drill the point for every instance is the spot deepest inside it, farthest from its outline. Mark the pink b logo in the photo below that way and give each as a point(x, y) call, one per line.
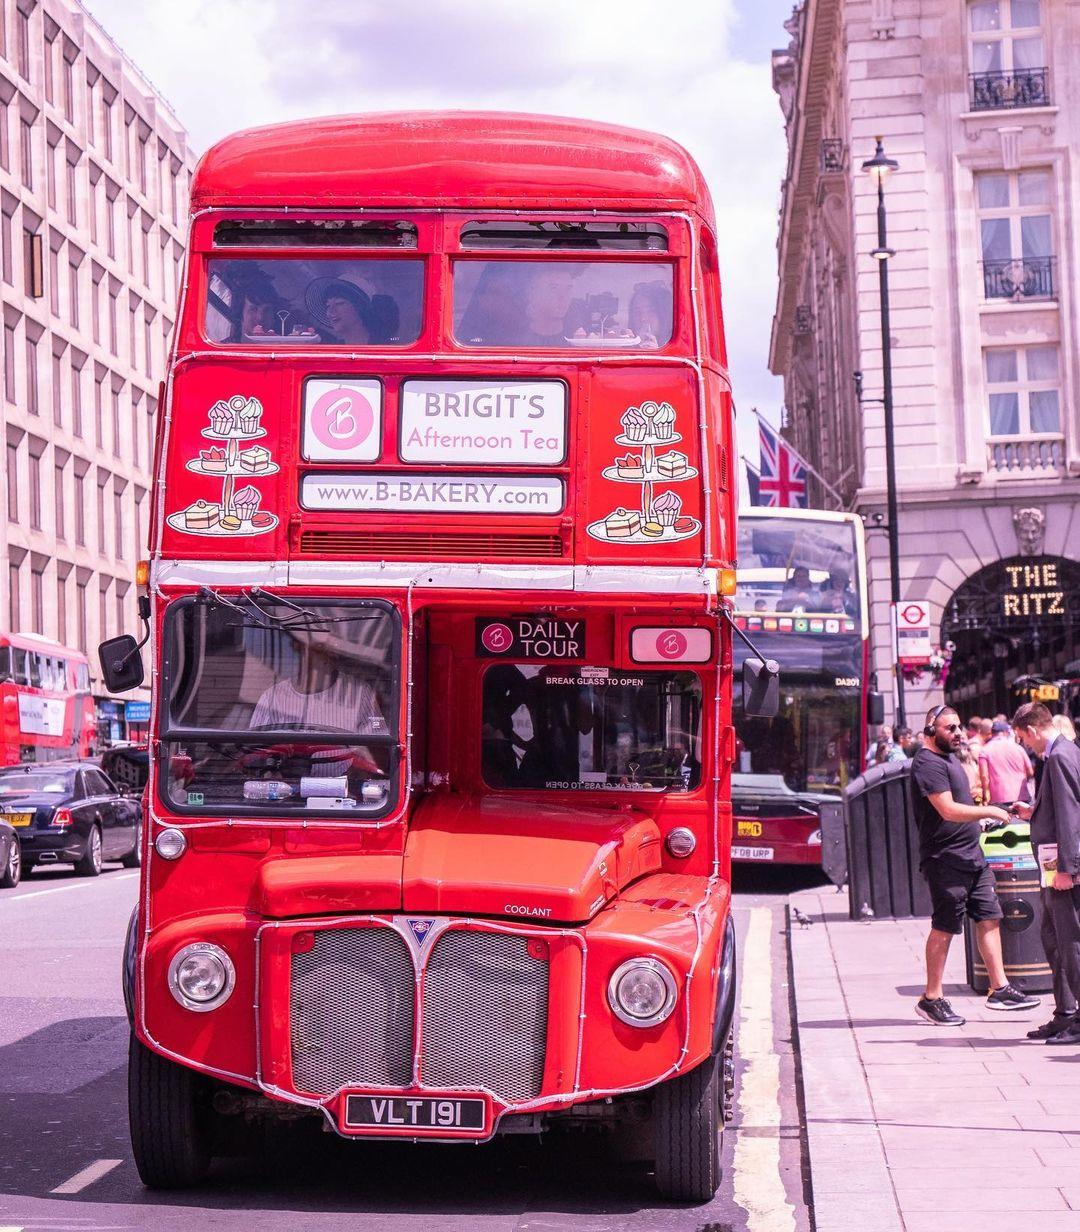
point(671, 644)
point(497, 639)
point(342, 419)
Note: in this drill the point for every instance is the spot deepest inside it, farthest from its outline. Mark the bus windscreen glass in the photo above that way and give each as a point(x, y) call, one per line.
point(620, 305)
point(286, 301)
point(287, 705)
point(563, 727)
point(796, 567)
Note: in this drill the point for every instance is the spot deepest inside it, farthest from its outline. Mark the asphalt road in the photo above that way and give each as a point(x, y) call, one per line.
point(65, 1161)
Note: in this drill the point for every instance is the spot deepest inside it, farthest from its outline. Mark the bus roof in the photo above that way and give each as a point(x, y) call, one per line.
point(34, 641)
point(470, 159)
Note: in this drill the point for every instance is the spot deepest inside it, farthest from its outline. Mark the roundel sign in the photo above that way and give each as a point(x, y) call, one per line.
point(342, 420)
point(914, 615)
point(655, 644)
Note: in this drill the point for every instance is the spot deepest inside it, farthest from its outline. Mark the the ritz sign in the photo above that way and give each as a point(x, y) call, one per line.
point(1034, 590)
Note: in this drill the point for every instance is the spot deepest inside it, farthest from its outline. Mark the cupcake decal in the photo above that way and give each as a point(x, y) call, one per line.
point(231, 422)
point(650, 428)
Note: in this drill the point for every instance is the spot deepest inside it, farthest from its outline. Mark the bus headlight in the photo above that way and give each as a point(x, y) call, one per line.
point(641, 992)
point(681, 842)
point(201, 976)
point(170, 844)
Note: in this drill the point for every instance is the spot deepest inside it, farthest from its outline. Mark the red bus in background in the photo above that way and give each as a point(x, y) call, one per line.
point(439, 813)
point(801, 598)
point(46, 709)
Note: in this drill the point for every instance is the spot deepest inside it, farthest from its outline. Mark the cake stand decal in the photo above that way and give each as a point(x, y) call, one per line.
point(659, 519)
point(234, 422)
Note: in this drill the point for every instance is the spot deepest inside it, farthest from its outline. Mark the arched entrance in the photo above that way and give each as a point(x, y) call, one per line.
point(1015, 630)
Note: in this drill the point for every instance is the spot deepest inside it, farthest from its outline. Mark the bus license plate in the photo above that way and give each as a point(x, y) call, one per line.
point(413, 1112)
point(751, 853)
point(18, 819)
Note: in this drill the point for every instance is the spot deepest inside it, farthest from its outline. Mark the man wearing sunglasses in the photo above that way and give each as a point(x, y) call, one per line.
point(961, 883)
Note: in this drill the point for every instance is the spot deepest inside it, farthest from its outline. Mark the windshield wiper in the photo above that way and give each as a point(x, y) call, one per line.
point(302, 615)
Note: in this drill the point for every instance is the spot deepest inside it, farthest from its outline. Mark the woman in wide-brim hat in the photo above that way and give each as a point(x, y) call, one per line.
point(349, 313)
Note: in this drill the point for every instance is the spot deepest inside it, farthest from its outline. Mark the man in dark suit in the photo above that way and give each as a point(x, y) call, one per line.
point(1055, 818)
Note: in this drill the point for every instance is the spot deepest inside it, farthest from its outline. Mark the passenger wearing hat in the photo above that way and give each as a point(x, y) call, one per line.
point(1005, 770)
point(349, 314)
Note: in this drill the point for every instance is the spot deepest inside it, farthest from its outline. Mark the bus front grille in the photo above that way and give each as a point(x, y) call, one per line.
point(353, 1008)
point(429, 545)
point(483, 1020)
point(485, 1014)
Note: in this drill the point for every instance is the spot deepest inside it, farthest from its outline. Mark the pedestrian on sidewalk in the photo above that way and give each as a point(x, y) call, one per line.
point(952, 861)
point(1055, 819)
point(1005, 770)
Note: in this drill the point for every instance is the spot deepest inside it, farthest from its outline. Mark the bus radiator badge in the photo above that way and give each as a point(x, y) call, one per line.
point(420, 930)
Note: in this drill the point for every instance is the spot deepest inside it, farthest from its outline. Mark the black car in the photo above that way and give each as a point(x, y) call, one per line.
point(70, 812)
point(10, 857)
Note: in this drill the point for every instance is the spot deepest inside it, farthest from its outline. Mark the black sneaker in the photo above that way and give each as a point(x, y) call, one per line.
point(1055, 1026)
point(1070, 1033)
point(939, 1012)
point(1009, 998)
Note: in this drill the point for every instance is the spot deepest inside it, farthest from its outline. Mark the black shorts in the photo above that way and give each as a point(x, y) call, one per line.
point(957, 892)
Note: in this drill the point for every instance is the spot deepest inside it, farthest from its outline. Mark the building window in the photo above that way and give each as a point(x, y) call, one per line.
point(101, 513)
point(107, 124)
point(9, 361)
point(31, 375)
point(72, 194)
point(22, 43)
point(1008, 59)
point(13, 482)
point(51, 155)
point(118, 521)
point(50, 67)
point(34, 459)
point(61, 609)
point(26, 147)
point(114, 295)
point(76, 399)
point(103, 608)
point(54, 280)
point(73, 291)
point(7, 259)
point(37, 599)
point(1023, 396)
point(95, 304)
point(1016, 234)
point(14, 597)
point(68, 69)
point(80, 611)
point(58, 499)
point(80, 509)
point(5, 138)
point(116, 420)
point(136, 409)
point(57, 388)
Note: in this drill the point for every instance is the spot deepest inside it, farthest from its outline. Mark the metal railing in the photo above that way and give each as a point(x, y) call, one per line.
point(1027, 87)
point(1019, 278)
point(1026, 456)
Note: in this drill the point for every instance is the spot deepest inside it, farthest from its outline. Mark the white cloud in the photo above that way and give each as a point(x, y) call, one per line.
point(233, 64)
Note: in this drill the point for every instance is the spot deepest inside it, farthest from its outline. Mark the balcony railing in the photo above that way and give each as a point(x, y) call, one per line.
point(1019, 278)
point(1026, 87)
point(1026, 456)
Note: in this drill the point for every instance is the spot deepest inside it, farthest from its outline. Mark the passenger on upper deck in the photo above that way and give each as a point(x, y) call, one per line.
point(649, 315)
point(349, 314)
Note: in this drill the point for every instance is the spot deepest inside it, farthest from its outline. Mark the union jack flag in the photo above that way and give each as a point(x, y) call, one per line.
point(783, 474)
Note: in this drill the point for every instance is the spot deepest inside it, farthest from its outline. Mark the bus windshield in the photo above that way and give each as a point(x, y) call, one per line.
point(563, 727)
point(288, 705)
point(797, 566)
point(812, 744)
point(329, 302)
point(588, 304)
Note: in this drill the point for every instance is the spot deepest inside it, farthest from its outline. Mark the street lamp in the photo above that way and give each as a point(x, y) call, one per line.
point(879, 167)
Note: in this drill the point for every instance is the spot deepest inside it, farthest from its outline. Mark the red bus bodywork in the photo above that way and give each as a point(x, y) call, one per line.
point(46, 709)
point(584, 879)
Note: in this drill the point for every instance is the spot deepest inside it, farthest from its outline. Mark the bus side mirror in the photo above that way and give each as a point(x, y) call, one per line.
point(875, 709)
point(121, 663)
point(761, 688)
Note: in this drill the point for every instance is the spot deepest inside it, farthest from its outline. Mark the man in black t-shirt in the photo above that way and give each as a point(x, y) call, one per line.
point(955, 868)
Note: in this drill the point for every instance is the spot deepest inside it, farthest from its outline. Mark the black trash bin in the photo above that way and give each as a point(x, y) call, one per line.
point(1016, 875)
point(883, 845)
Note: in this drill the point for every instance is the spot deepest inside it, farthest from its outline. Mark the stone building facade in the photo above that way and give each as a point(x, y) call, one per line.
point(977, 101)
point(94, 169)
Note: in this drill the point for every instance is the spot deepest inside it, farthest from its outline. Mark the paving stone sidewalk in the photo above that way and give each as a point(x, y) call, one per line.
point(914, 1128)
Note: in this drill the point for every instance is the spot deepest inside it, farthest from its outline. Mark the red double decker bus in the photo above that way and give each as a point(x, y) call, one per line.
point(439, 815)
point(46, 709)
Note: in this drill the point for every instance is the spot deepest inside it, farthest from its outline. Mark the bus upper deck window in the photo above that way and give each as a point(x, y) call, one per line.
point(622, 305)
point(318, 302)
point(314, 233)
point(613, 235)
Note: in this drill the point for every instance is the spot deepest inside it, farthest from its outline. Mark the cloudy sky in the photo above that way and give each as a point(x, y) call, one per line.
point(697, 70)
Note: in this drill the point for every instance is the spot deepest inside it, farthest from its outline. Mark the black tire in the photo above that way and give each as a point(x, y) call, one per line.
point(89, 863)
point(170, 1120)
point(133, 859)
point(687, 1128)
point(11, 874)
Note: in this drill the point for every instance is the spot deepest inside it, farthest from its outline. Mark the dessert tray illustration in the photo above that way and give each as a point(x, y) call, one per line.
point(234, 422)
point(649, 428)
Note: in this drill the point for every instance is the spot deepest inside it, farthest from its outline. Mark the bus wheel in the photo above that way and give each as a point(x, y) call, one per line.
point(134, 857)
point(11, 874)
point(90, 863)
point(687, 1129)
point(170, 1118)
